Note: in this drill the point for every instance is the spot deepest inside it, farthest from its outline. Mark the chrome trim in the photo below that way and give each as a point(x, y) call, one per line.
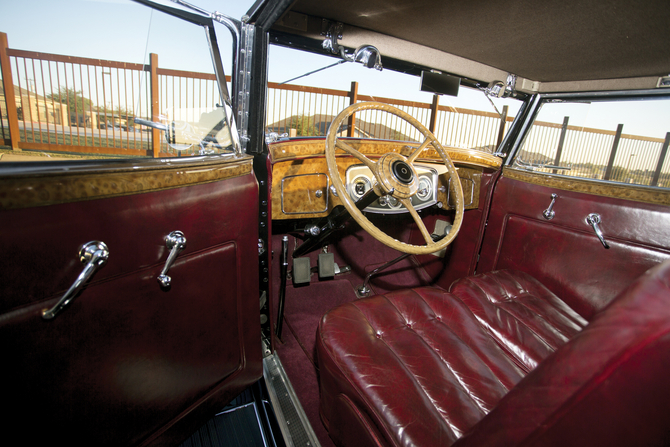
point(175, 242)
point(243, 81)
point(20, 169)
point(549, 213)
point(94, 254)
point(386, 204)
point(287, 405)
point(593, 219)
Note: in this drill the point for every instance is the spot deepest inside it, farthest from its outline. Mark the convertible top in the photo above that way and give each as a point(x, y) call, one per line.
point(551, 46)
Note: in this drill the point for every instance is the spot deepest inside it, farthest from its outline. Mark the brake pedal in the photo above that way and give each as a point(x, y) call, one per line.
point(302, 273)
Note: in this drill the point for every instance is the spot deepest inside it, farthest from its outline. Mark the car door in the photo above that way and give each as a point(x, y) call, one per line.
point(585, 159)
point(164, 328)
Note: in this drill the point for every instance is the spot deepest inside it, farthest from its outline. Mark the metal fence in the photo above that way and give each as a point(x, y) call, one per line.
point(597, 154)
point(308, 111)
point(88, 106)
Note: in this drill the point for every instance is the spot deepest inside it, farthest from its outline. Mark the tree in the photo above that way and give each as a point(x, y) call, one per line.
point(74, 100)
point(304, 126)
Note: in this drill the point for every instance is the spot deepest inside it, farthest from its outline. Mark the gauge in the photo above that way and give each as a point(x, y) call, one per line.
point(361, 185)
point(425, 188)
point(393, 202)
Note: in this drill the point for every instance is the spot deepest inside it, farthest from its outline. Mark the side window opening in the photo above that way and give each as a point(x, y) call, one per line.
point(624, 141)
point(86, 98)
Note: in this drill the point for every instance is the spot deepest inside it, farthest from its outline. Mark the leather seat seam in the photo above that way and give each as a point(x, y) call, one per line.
point(464, 343)
point(558, 310)
point(351, 384)
point(539, 337)
point(413, 377)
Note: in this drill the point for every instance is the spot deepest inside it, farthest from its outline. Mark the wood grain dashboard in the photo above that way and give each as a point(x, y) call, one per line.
point(301, 186)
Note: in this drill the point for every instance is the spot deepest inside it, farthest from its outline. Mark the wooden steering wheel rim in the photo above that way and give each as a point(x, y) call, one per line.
point(454, 185)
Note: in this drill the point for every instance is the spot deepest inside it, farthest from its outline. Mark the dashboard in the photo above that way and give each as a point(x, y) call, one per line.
point(301, 187)
point(359, 180)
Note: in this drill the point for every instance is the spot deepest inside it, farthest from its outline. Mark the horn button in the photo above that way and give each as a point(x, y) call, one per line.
point(397, 176)
point(402, 171)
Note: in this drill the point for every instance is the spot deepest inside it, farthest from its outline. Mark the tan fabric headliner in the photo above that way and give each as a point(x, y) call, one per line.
point(558, 41)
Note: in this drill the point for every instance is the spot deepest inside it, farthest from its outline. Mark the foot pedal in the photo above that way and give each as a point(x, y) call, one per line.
point(326, 265)
point(301, 271)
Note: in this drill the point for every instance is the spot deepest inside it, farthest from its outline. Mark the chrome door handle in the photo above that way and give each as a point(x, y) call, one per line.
point(594, 220)
point(94, 254)
point(549, 213)
point(175, 242)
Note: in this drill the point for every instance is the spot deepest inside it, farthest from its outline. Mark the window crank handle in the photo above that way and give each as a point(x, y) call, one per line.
point(175, 242)
point(549, 213)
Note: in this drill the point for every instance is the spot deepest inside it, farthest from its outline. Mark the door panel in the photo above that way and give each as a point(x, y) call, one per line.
point(130, 362)
point(564, 253)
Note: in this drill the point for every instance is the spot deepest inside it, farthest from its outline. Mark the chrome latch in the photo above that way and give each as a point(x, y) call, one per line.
point(175, 242)
point(594, 220)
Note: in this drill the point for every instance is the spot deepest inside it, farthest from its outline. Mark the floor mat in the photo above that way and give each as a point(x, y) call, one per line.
point(306, 305)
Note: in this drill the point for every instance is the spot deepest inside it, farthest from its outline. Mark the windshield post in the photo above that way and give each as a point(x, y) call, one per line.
point(208, 24)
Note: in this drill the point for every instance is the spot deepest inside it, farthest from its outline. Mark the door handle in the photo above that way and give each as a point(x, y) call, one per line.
point(594, 220)
point(94, 254)
point(175, 242)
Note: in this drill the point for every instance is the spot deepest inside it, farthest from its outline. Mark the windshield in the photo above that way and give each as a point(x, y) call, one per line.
point(306, 106)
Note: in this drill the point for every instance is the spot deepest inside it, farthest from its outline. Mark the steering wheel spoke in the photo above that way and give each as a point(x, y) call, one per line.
point(353, 152)
point(412, 158)
point(419, 222)
point(396, 176)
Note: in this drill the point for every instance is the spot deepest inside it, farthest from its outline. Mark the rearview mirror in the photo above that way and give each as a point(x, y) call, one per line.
point(438, 83)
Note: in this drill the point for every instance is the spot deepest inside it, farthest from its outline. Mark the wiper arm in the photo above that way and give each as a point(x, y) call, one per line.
point(527, 165)
point(153, 124)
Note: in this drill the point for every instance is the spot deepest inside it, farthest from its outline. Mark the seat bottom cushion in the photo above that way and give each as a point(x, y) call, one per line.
point(422, 366)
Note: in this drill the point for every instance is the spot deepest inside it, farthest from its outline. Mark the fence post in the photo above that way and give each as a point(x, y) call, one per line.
point(353, 98)
point(561, 142)
point(661, 160)
point(10, 98)
point(433, 113)
point(155, 111)
point(501, 129)
point(615, 146)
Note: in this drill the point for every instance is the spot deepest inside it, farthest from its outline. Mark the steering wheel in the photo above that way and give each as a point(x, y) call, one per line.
point(396, 176)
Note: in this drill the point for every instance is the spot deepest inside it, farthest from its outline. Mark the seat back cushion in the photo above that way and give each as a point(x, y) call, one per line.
point(607, 386)
point(520, 313)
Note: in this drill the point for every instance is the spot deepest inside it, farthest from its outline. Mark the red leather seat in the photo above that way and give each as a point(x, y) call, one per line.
point(476, 366)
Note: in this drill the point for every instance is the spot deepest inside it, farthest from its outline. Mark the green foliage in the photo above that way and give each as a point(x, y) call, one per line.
point(620, 174)
point(74, 100)
point(304, 126)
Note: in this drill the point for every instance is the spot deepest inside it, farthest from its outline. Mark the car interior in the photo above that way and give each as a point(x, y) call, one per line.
point(373, 278)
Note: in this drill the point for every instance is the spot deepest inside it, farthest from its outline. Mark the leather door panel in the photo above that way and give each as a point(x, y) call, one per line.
point(129, 362)
point(564, 253)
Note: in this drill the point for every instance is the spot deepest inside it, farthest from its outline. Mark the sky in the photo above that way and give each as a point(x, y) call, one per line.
point(120, 32)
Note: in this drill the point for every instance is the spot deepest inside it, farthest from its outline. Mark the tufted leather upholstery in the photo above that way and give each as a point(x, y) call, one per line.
point(429, 367)
point(519, 313)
